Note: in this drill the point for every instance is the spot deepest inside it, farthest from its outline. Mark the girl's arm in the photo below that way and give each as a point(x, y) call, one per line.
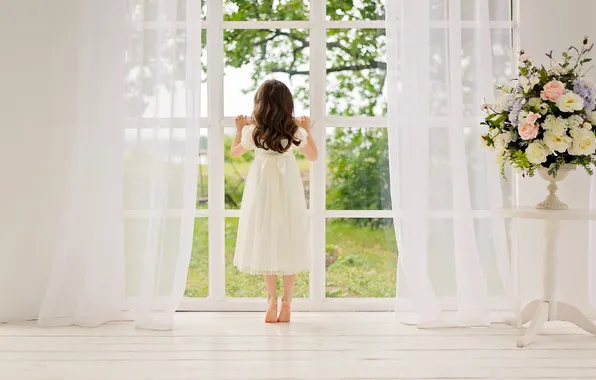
point(310, 150)
point(237, 148)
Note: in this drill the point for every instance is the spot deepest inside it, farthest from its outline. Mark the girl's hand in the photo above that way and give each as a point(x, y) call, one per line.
point(242, 121)
point(304, 122)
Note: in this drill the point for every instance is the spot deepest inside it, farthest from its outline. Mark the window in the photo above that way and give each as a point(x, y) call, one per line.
point(331, 53)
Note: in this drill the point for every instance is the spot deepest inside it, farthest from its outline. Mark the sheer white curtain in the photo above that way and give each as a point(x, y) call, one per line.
point(62, 261)
point(161, 160)
point(443, 58)
point(101, 207)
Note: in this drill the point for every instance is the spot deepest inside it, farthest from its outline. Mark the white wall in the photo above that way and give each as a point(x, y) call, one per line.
point(555, 25)
point(37, 90)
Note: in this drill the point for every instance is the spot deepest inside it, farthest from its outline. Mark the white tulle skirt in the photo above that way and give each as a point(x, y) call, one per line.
point(274, 229)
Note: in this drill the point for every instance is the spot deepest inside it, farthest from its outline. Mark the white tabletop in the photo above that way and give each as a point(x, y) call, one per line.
point(533, 213)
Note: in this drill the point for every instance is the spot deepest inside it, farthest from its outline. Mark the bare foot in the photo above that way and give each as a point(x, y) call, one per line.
point(271, 314)
point(285, 313)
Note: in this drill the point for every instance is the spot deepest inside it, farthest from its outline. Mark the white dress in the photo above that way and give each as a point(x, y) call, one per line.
point(274, 229)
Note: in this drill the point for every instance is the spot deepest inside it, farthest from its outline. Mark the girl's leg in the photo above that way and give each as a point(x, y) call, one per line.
point(271, 286)
point(286, 301)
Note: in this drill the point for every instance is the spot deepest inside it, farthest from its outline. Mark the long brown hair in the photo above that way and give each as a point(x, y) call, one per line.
point(273, 116)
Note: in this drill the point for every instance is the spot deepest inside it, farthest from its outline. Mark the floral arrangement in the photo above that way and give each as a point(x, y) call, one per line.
point(546, 116)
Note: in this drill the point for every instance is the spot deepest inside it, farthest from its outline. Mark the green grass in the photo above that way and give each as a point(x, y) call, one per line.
point(365, 265)
point(361, 260)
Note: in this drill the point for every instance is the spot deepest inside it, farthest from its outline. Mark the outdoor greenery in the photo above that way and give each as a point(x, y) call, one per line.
point(361, 253)
point(361, 262)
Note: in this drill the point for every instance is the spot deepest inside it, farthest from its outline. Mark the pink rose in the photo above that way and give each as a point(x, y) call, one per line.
point(532, 117)
point(552, 90)
point(528, 131)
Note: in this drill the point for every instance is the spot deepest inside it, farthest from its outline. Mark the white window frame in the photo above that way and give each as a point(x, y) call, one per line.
point(216, 122)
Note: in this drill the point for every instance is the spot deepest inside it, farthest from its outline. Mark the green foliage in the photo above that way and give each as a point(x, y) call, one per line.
point(234, 177)
point(364, 266)
point(357, 158)
point(354, 55)
point(358, 170)
point(266, 10)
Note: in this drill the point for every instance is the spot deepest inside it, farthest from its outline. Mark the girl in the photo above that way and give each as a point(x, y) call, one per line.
point(273, 233)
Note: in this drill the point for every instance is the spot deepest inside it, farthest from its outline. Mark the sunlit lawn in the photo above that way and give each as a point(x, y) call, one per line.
point(365, 264)
point(361, 260)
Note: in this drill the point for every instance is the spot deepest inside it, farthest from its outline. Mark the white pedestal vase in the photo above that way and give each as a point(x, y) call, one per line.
point(552, 201)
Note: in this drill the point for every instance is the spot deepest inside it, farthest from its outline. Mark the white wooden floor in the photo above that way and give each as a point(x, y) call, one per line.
point(326, 346)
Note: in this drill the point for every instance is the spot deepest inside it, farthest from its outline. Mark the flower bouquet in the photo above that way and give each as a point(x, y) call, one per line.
point(545, 119)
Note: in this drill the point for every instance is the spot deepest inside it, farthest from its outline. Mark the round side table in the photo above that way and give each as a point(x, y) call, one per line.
point(538, 312)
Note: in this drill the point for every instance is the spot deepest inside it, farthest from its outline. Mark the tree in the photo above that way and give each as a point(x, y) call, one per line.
point(356, 71)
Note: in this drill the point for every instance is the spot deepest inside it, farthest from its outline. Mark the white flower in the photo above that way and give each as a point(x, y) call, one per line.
point(502, 140)
point(528, 83)
point(557, 125)
point(584, 142)
point(537, 153)
point(570, 102)
point(574, 121)
point(544, 108)
point(592, 117)
point(558, 69)
point(555, 142)
point(501, 103)
point(535, 102)
point(575, 132)
point(587, 126)
point(524, 57)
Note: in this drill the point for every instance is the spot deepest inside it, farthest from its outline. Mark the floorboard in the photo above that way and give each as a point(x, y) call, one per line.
point(326, 346)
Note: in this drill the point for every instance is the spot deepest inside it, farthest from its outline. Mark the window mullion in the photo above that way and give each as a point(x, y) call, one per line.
point(215, 153)
point(318, 38)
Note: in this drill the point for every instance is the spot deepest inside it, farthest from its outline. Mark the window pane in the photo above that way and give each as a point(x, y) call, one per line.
point(197, 282)
point(142, 165)
point(468, 10)
point(500, 10)
point(486, 251)
point(204, 87)
point(356, 72)
point(441, 257)
point(439, 10)
point(501, 60)
point(502, 55)
point(251, 56)
point(361, 258)
point(476, 162)
point(441, 185)
point(356, 9)
point(439, 76)
point(358, 169)
point(156, 77)
point(137, 245)
point(470, 72)
point(260, 10)
point(147, 10)
point(236, 171)
point(240, 284)
point(203, 173)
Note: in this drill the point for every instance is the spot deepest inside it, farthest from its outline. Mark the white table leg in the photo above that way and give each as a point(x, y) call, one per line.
point(538, 320)
point(548, 309)
point(525, 315)
point(570, 313)
point(551, 234)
